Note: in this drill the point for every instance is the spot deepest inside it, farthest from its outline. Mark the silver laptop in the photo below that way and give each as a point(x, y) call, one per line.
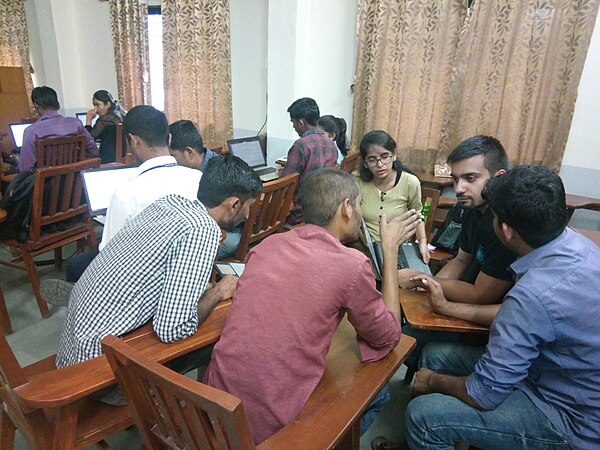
point(250, 150)
point(100, 184)
point(82, 117)
point(17, 130)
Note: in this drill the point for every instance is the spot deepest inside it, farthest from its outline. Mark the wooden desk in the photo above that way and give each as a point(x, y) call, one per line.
point(346, 389)
point(437, 182)
point(580, 202)
point(592, 235)
point(418, 313)
point(5, 325)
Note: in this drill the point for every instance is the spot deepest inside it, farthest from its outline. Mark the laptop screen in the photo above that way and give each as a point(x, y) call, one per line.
point(17, 129)
point(81, 116)
point(248, 149)
point(100, 185)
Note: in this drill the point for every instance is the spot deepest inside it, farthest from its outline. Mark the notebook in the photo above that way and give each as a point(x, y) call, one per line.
point(100, 185)
point(16, 130)
point(250, 150)
point(409, 255)
point(81, 116)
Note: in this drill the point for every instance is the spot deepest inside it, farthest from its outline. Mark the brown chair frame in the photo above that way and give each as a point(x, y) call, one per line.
point(92, 421)
point(350, 161)
point(60, 151)
point(173, 411)
point(267, 215)
point(433, 196)
point(57, 197)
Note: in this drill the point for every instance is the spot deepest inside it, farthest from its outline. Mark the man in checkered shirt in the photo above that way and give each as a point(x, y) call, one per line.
point(312, 151)
point(157, 267)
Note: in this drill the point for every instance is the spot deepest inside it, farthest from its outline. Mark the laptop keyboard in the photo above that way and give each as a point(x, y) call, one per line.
point(265, 171)
point(402, 261)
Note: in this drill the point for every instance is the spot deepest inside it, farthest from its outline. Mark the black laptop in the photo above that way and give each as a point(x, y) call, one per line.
point(249, 149)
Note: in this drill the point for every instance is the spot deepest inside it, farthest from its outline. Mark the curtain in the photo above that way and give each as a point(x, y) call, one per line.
point(405, 58)
point(129, 22)
point(197, 66)
point(517, 70)
point(14, 40)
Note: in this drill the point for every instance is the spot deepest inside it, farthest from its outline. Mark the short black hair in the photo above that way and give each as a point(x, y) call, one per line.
point(305, 108)
point(495, 157)
point(45, 97)
point(382, 139)
point(149, 124)
point(227, 176)
point(531, 200)
point(323, 191)
point(185, 134)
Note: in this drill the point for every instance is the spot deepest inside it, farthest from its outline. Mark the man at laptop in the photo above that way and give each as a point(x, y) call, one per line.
point(312, 151)
point(147, 132)
point(475, 281)
point(50, 125)
point(294, 291)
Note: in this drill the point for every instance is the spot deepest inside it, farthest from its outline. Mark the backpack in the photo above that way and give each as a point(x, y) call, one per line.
point(17, 202)
point(446, 236)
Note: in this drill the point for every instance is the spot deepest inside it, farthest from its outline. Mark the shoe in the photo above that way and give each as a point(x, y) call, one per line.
point(383, 443)
point(56, 292)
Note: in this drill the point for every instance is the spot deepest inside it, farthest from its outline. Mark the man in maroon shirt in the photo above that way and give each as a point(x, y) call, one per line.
point(312, 151)
point(291, 297)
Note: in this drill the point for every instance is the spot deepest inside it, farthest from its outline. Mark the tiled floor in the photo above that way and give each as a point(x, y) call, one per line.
point(35, 338)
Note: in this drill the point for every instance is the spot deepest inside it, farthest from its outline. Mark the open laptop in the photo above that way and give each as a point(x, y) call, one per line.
point(100, 184)
point(409, 255)
point(249, 149)
point(17, 130)
point(82, 115)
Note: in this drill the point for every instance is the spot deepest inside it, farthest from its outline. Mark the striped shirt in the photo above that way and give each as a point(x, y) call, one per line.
point(157, 267)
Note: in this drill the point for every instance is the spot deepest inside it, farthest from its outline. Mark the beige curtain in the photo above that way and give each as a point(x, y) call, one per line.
point(197, 65)
point(129, 21)
point(14, 40)
point(405, 57)
point(518, 66)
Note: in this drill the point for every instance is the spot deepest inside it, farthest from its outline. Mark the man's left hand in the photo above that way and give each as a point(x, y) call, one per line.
point(437, 301)
point(423, 380)
point(226, 287)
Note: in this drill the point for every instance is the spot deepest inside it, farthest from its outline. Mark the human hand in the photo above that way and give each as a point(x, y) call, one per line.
point(225, 287)
point(424, 251)
point(399, 229)
point(423, 383)
point(437, 301)
point(405, 276)
point(89, 116)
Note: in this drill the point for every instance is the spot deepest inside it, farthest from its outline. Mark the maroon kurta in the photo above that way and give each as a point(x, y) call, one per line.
point(288, 303)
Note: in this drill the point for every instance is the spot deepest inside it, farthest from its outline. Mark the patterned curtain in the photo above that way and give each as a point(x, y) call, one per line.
point(129, 20)
point(517, 70)
point(14, 40)
point(197, 65)
point(405, 57)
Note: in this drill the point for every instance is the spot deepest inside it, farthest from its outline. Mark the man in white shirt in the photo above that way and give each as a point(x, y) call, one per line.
point(147, 132)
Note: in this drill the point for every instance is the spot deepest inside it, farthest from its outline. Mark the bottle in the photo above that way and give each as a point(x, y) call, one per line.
point(425, 210)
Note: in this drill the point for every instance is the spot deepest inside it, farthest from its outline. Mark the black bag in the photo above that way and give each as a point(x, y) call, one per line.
point(447, 235)
point(17, 202)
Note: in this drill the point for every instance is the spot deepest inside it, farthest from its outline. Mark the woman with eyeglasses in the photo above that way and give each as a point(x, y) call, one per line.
point(387, 186)
point(110, 113)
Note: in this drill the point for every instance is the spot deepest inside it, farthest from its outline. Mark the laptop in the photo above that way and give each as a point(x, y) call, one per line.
point(82, 115)
point(409, 255)
point(17, 130)
point(250, 150)
point(100, 184)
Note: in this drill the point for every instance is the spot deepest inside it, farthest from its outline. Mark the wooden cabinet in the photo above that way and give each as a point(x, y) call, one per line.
point(14, 102)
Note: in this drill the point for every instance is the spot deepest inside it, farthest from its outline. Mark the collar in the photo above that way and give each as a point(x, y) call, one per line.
point(313, 131)
point(49, 115)
point(155, 162)
point(523, 263)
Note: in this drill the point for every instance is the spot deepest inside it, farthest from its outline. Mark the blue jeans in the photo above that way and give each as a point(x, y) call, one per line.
point(438, 421)
point(374, 408)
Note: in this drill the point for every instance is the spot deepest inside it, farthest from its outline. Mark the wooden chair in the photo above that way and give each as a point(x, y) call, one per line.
point(59, 216)
point(350, 161)
point(431, 196)
point(173, 411)
point(59, 151)
point(92, 421)
point(267, 215)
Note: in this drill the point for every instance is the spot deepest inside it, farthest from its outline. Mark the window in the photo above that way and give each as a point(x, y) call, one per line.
point(157, 91)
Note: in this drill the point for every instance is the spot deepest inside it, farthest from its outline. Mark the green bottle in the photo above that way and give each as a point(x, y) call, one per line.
point(425, 210)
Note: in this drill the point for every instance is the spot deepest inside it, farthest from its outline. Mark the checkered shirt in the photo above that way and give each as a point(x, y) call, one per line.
point(156, 267)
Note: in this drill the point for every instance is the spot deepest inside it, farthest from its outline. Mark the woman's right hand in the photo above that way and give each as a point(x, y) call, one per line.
point(89, 116)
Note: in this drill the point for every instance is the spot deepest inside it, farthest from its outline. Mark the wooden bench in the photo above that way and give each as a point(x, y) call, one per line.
point(580, 202)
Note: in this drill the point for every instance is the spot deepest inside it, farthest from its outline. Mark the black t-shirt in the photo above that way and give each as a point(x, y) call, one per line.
point(477, 238)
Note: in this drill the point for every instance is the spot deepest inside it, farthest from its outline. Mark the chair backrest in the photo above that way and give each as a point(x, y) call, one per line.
point(350, 160)
point(33, 424)
point(120, 144)
point(58, 196)
point(172, 410)
point(431, 196)
point(59, 151)
point(267, 215)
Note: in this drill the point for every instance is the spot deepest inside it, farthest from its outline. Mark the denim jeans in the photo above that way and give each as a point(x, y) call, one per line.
point(374, 408)
point(438, 421)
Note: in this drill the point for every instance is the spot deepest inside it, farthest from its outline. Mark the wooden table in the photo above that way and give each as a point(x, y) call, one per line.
point(346, 389)
point(5, 325)
point(437, 182)
point(418, 313)
point(580, 202)
point(592, 235)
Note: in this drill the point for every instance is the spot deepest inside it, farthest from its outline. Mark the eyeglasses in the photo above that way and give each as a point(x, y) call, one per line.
point(372, 161)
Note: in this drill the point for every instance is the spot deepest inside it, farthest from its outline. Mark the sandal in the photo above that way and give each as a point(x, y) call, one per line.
point(383, 443)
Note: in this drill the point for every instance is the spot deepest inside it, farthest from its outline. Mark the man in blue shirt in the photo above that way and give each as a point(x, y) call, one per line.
point(537, 385)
